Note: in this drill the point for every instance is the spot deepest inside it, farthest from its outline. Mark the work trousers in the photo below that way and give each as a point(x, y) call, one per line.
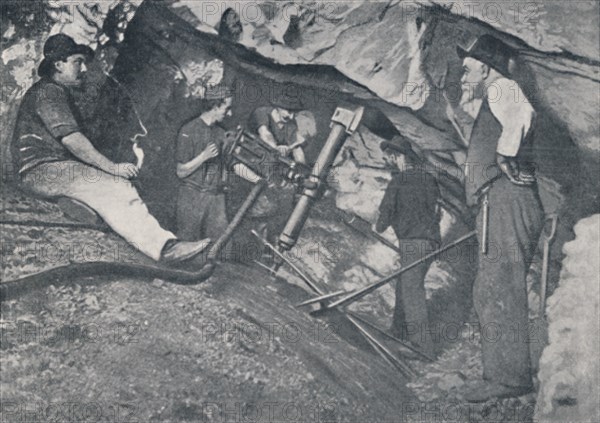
point(200, 214)
point(114, 198)
point(411, 319)
point(500, 289)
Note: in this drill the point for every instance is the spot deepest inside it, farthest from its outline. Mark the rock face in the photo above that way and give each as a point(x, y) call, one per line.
point(569, 365)
point(405, 53)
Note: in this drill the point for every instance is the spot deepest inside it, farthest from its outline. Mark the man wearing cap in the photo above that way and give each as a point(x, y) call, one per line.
point(276, 125)
point(499, 177)
point(55, 159)
point(202, 170)
point(410, 207)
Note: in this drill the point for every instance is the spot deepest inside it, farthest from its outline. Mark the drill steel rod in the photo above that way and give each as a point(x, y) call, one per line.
point(349, 218)
point(349, 299)
point(381, 349)
point(321, 298)
point(393, 338)
point(299, 272)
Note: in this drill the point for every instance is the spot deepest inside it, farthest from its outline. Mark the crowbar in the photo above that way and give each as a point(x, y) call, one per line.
point(321, 298)
point(375, 285)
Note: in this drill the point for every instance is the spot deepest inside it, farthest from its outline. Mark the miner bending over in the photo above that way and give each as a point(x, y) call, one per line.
point(55, 159)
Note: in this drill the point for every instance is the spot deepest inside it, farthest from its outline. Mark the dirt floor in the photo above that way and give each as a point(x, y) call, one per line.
point(231, 349)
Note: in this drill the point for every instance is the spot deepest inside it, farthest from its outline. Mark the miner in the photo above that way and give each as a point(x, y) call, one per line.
point(203, 169)
point(287, 128)
point(410, 206)
point(276, 125)
point(55, 158)
point(500, 181)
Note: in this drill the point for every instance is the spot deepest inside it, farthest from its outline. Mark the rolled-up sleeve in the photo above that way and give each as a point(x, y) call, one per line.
point(513, 111)
point(53, 107)
point(184, 150)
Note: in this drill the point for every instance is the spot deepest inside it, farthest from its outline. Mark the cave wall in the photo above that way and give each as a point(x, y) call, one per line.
point(405, 53)
point(569, 376)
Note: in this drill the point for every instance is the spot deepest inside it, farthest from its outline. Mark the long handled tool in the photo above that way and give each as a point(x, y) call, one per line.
point(349, 299)
point(381, 349)
point(548, 238)
point(322, 298)
point(349, 220)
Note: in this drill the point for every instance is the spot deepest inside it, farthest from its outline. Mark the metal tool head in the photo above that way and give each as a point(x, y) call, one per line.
point(322, 298)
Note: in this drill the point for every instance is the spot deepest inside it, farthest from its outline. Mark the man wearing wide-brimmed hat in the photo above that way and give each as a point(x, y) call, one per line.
point(276, 125)
point(55, 159)
point(410, 206)
point(286, 127)
point(500, 179)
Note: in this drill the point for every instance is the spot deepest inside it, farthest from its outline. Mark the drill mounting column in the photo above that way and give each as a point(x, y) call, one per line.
point(343, 123)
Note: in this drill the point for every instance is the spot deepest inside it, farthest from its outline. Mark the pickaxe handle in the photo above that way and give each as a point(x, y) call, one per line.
point(548, 238)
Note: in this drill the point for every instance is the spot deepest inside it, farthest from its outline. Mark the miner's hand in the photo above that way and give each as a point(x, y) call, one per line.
point(284, 150)
point(210, 151)
point(510, 169)
point(126, 170)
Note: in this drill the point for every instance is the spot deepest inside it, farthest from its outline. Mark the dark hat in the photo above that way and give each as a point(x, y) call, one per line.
point(491, 51)
point(398, 144)
point(287, 102)
point(218, 92)
point(59, 47)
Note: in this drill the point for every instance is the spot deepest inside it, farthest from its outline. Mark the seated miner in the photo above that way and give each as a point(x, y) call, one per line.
point(202, 169)
point(410, 207)
point(55, 159)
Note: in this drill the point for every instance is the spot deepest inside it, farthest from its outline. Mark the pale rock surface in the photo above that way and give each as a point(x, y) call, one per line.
point(569, 365)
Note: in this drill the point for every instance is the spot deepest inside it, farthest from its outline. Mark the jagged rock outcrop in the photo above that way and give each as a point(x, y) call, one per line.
point(405, 53)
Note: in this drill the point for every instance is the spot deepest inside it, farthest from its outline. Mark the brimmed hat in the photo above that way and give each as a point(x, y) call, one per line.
point(287, 102)
point(59, 47)
point(491, 51)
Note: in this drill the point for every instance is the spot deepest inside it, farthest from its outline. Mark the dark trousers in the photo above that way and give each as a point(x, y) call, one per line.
point(411, 320)
point(500, 290)
point(200, 214)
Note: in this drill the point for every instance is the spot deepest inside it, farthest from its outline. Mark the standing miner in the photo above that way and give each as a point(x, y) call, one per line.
point(203, 172)
point(410, 206)
point(500, 178)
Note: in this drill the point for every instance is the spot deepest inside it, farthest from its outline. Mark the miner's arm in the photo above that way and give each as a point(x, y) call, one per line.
point(246, 173)
point(515, 114)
